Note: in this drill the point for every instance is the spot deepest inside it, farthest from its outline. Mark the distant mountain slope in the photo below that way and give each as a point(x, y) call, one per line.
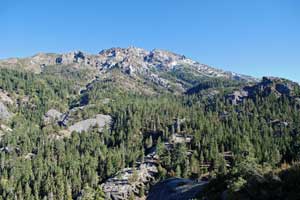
point(160, 68)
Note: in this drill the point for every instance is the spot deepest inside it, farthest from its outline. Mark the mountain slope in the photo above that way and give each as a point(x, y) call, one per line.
point(131, 68)
point(114, 124)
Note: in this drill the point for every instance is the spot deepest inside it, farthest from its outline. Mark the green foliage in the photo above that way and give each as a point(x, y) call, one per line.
point(75, 167)
point(253, 183)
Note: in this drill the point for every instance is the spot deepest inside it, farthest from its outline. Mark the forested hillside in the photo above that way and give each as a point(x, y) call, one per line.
point(73, 125)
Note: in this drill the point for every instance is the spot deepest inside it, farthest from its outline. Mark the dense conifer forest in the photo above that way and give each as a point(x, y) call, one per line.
point(228, 143)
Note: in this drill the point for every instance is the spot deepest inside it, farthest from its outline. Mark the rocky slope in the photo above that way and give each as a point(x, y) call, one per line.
point(131, 60)
point(137, 67)
point(5, 100)
point(130, 181)
point(100, 121)
point(4, 113)
point(264, 88)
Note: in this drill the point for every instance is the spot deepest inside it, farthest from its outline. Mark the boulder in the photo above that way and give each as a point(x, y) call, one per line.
point(4, 113)
point(51, 116)
point(100, 121)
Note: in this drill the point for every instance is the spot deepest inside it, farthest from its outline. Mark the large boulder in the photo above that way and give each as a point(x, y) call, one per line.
point(100, 121)
point(51, 116)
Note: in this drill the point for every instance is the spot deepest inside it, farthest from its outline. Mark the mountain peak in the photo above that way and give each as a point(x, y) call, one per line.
point(131, 59)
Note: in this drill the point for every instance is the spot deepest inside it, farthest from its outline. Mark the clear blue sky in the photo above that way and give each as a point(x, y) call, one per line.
point(257, 37)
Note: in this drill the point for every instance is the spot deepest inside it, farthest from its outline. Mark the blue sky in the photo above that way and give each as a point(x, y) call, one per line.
point(257, 37)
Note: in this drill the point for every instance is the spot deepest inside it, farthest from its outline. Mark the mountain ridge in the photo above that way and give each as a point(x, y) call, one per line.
point(128, 57)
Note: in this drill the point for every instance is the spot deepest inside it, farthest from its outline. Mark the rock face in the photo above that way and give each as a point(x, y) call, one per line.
point(51, 116)
point(100, 121)
point(5, 100)
point(164, 59)
point(268, 86)
point(237, 96)
point(178, 138)
point(130, 69)
point(140, 61)
point(131, 61)
point(273, 85)
point(129, 181)
point(176, 189)
point(5, 97)
point(4, 113)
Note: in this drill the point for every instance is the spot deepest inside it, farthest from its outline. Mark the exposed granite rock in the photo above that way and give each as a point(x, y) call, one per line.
point(163, 59)
point(4, 113)
point(52, 115)
point(237, 96)
point(68, 116)
point(267, 86)
point(60, 135)
point(129, 181)
point(30, 156)
point(158, 80)
point(100, 121)
point(5, 97)
point(10, 149)
point(132, 69)
point(140, 61)
point(176, 189)
point(4, 130)
point(131, 61)
point(278, 122)
point(178, 138)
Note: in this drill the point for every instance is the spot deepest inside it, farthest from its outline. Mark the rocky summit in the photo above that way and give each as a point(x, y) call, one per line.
point(159, 67)
point(129, 59)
